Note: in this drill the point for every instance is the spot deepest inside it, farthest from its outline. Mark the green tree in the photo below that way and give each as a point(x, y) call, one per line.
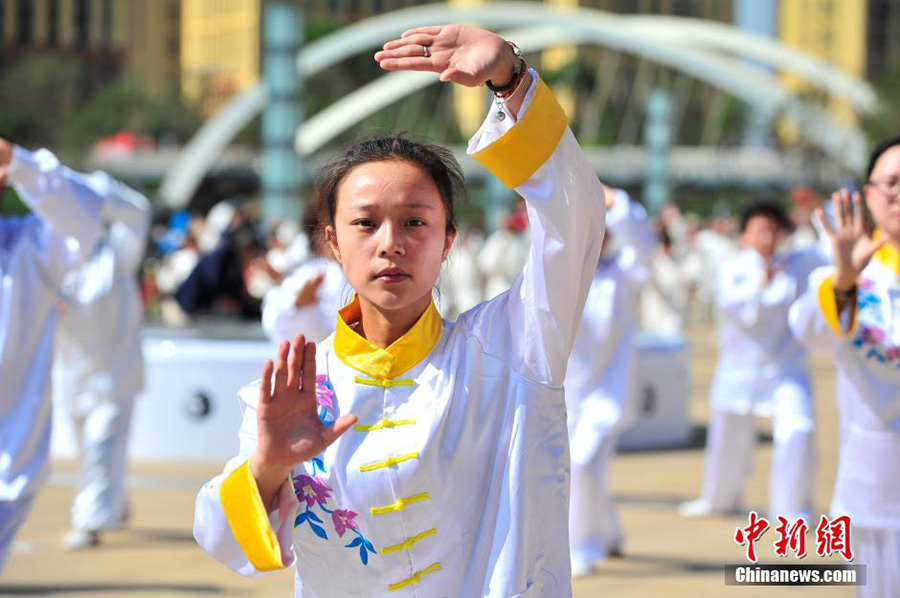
point(122, 106)
point(45, 103)
point(886, 122)
point(38, 94)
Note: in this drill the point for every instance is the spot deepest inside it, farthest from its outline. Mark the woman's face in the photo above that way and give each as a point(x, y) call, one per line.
point(389, 233)
point(882, 195)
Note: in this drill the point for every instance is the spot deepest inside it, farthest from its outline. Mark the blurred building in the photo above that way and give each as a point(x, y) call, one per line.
point(861, 37)
point(356, 9)
point(834, 30)
point(220, 49)
point(882, 38)
point(221, 39)
point(352, 10)
point(134, 38)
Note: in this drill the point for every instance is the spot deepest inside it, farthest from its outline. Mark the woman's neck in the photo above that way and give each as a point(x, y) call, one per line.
point(895, 241)
point(383, 327)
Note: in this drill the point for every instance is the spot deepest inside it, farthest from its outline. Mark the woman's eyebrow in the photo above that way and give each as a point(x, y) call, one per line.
point(363, 207)
point(371, 207)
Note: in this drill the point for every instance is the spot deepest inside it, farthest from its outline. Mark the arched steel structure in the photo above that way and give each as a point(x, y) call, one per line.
point(671, 41)
point(751, 85)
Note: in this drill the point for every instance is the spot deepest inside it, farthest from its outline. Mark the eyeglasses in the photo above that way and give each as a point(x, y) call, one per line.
point(887, 187)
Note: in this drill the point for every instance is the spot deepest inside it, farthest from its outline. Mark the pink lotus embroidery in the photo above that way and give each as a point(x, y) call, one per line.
point(343, 520)
point(324, 392)
point(311, 489)
point(315, 492)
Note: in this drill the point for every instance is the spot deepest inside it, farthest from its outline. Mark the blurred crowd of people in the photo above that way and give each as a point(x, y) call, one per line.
point(224, 263)
point(760, 276)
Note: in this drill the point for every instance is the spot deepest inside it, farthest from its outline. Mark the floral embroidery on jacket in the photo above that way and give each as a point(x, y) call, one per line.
point(871, 335)
point(869, 304)
point(313, 490)
point(325, 398)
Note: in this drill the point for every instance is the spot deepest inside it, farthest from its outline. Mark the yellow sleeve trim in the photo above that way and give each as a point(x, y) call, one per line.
point(390, 461)
point(828, 305)
point(399, 505)
point(384, 383)
point(249, 520)
point(384, 423)
point(887, 255)
point(416, 578)
point(523, 149)
point(409, 542)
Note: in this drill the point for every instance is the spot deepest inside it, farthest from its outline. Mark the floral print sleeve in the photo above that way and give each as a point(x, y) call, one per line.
point(315, 492)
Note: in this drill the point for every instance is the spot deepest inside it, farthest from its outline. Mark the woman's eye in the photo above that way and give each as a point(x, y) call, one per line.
point(364, 223)
point(415, 222)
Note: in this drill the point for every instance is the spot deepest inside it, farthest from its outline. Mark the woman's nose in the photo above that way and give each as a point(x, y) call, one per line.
point(390, 242)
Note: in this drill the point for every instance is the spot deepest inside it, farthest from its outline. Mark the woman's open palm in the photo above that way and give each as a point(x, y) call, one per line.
point(465, 55)
point(851, 247)
point(287, 418)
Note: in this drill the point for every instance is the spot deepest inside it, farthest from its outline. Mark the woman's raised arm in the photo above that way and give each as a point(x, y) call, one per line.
point(531, 327)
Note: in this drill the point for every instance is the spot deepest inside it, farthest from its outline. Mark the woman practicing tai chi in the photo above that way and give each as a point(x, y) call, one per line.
point(852, 310)
point(405, 455)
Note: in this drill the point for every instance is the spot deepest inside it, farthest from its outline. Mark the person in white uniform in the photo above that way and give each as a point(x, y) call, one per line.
point(600, 379)
point(461, 285)
point(504, 253)
point(441, 468)
point(665, 298)
point(762, 370)
point(36, 253)
point(99, 368)
point(852, 310)
point(307, 299)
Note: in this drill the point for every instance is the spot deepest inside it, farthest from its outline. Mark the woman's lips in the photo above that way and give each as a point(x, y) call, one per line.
point(392, 276)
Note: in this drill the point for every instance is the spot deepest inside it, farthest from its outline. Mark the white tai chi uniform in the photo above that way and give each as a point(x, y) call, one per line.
point(762, 371)
point(501, 259)
point(709, 252)
point(867, 359)
point(665, 298)
point(600, 379)
point(99, 367)
point(460, 283)
point(36, 252)
point(282, 319)
point(455, 481)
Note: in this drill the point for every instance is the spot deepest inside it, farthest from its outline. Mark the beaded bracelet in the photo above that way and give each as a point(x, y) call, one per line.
point(504, 91)
point(845, 295)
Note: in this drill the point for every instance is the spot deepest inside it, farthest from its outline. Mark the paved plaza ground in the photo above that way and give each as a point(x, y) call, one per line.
point(665, 554)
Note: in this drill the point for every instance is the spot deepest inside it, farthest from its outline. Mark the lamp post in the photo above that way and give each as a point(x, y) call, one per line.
point(282, 168)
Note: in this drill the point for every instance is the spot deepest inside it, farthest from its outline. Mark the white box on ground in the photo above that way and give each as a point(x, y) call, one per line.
point(663, 389)
point(189, 410)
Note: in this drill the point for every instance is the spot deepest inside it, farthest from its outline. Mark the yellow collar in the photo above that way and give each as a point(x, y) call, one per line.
point(403, 354)
point(888, 255)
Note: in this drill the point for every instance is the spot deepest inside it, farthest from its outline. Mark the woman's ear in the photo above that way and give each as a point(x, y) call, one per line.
point(448, 244)
point(331, 237)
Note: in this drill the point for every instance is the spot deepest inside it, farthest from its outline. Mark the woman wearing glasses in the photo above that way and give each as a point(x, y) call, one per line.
point(852, 309)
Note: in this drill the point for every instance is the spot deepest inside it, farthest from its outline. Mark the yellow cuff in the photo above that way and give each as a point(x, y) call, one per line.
point(523, 149)
point(828, 305)
point(249, 520)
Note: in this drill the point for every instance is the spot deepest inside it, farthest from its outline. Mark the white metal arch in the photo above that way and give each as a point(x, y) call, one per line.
point(644, 36)
point(751, 85)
